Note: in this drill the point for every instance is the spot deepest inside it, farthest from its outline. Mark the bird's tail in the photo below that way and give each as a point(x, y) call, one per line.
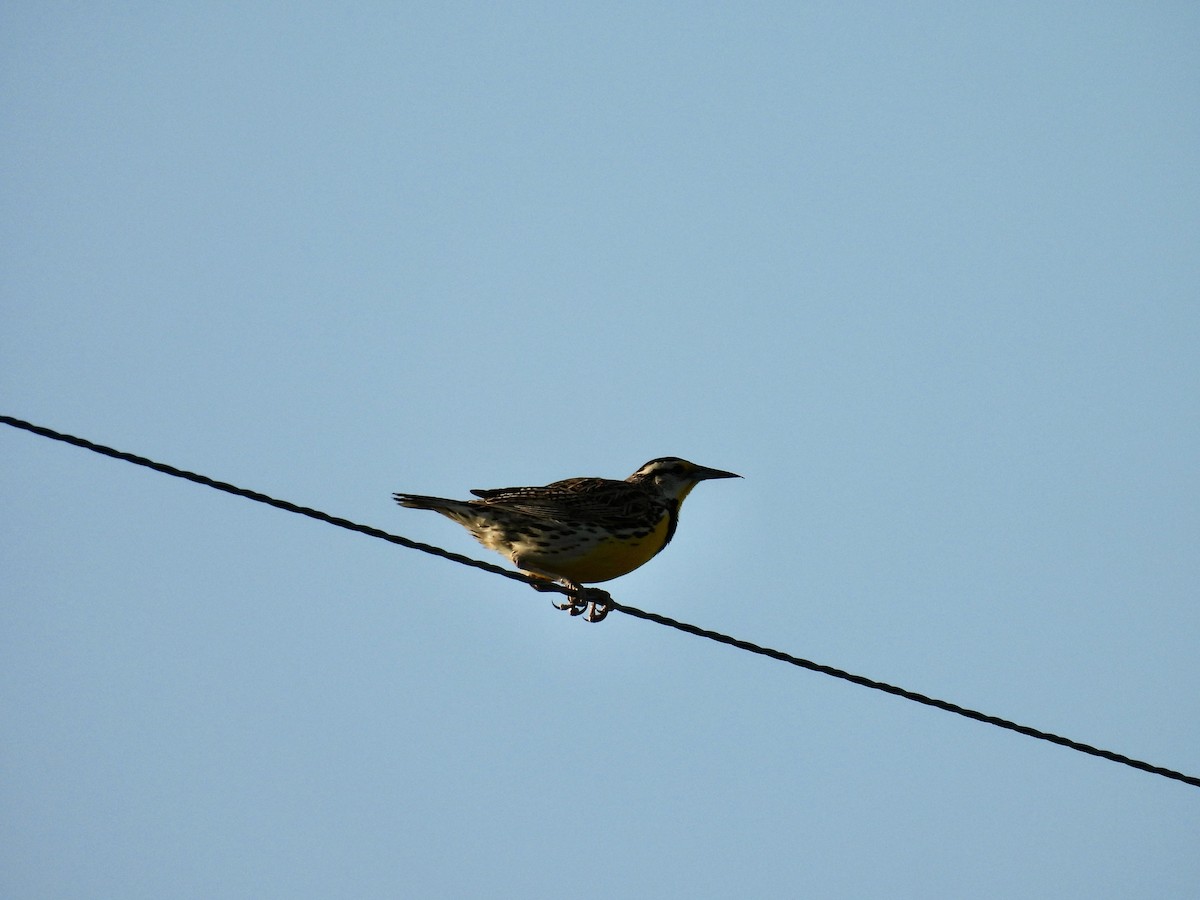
point(446, 507)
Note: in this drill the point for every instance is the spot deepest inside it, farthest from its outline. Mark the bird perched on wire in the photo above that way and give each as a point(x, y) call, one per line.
point(581, 530)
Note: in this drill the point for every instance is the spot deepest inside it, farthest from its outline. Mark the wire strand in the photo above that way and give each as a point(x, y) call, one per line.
point(633, 611)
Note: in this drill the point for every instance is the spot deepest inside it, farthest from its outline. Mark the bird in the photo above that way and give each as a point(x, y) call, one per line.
point(580, 530)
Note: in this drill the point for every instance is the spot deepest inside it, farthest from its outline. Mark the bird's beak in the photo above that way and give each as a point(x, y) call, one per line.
point(703, 473)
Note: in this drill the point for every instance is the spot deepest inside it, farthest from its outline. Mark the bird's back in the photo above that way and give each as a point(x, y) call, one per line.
point(600, 502)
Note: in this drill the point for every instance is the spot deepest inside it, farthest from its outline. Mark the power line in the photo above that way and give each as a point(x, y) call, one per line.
point(945, 705)
point(264, 498)
point(717, 636)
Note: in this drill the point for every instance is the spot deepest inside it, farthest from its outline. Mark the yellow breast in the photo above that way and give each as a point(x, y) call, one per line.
point(607, 558)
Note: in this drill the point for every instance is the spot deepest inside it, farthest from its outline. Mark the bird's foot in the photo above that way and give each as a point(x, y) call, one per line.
point(577, 602)
point(598, 605)
point(591, 603)
point(562, 601)
point(574, 605)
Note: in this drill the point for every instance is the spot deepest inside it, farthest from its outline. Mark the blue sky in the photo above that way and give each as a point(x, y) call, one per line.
point(925, 274)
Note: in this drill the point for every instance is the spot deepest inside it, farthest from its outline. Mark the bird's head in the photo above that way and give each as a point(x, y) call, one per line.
point(674, 478)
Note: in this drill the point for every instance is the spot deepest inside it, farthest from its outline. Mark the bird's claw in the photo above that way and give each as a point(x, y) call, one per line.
point(597, 609)
point(572, 603)
point(595, 603)
point(591, 603)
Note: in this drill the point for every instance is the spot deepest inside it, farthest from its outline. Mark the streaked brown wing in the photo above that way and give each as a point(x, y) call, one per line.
point(597, 501)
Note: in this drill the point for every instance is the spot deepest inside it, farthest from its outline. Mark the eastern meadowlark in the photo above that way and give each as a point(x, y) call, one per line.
point(581, 530)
